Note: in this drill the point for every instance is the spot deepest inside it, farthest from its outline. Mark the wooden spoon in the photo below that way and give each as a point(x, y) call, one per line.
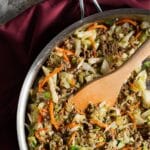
point(108, 87)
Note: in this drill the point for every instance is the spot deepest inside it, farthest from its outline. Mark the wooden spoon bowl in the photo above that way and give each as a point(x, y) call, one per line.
point(108, 87)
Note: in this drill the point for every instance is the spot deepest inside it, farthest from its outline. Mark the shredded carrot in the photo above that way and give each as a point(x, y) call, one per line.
point(94, 53)
point(95, 26)
point(40, 118)
point(92, 43)
point(91, 25)
point(138, 34)
point(132, 119)
point(42, 83)
point(73, 135)
point(43, 111)
point(73, 82)
point(134, 106)
point(72, 125)
point(37, 133)
point(98, 123)
point(113, 133)
point(100, 144)
point(66, 51)
point(52, 118)
point(66, 58)
point(137, 105)
point(134, 23)
point(127, 148)
point(133, 87)
point(139, 148)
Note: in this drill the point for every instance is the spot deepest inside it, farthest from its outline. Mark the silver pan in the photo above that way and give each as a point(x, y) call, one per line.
point(137, 14)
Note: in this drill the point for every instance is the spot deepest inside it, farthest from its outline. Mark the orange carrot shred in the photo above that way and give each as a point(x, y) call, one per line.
point(73, 135)
point(133, 87)
point(66, 58)
point(42, 83)
point(73, 82)
point(132, 119)
point(134, 23)
point(100, 144)
point(43, 112)
point(37, 133)
point(92, 43)
point(72, 125)
point(127, 148)
point(139, 148)
point(40, 118)
point(52, 118)
point(98, 123)
point(94, 26)
point(113, 133)
point(137, 105)
point(66, 51)
point(138, 34)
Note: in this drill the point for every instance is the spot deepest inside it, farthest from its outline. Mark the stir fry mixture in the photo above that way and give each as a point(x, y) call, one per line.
point(88, 53)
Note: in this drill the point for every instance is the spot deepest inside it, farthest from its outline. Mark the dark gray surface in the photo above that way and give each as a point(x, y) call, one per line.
point(11, 8)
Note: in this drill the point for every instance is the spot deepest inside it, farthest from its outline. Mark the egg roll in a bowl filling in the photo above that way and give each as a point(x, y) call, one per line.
point(89, 52)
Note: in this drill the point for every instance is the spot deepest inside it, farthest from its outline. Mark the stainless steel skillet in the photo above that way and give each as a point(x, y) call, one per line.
point(137, 14)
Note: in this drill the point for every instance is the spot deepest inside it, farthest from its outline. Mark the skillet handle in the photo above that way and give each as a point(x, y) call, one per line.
point(96, 4)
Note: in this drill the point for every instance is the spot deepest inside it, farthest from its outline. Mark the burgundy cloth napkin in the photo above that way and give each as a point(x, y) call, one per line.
point(22, 38)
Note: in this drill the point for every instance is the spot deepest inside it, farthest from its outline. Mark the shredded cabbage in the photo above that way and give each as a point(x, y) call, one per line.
point(52, 86)
point(105, 68)
point(140, 80)
point(93, 60)
point(125, 41)
point(87, 67)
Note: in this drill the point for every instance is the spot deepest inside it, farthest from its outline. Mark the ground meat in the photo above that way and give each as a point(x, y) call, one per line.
point(57, 125)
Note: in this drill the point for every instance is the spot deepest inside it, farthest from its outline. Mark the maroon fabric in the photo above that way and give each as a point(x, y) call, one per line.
point(22, 38)
point(145, 4)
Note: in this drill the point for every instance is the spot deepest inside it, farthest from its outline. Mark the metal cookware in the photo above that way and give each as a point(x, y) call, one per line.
point(137, 14)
